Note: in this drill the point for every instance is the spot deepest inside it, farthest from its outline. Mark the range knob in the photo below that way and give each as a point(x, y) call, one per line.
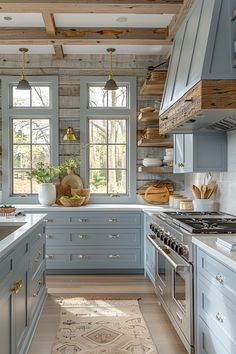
point(152, 226)
point(166, 238)
point(173, 244)
point(183, 250)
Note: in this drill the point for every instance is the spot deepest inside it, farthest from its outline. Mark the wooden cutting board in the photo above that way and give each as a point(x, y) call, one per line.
point(157, 195)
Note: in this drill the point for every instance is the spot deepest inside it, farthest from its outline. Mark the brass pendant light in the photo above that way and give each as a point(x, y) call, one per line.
point(70, 134)
point(110, 84)
point(23, 83)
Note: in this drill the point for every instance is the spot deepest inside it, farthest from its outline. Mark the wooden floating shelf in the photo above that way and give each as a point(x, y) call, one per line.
point(155, 143)
point(154, 86)
point(148, 117)
point(155, 169)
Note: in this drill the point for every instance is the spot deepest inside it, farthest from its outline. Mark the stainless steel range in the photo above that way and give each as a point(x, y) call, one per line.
point(171, 234)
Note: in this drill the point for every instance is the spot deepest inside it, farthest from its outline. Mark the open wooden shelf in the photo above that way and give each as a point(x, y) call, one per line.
point(154, 85)
point(148, 117)
point(155, 143)
point(155, 169)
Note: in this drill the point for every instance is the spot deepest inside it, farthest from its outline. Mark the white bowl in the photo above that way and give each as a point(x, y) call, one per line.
point(157, 164)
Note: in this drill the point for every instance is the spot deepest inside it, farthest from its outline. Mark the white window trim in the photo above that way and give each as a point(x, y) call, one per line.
point(8, 112)
point(90, 112)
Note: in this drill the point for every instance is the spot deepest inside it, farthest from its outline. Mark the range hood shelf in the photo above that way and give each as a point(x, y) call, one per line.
point(201, 81)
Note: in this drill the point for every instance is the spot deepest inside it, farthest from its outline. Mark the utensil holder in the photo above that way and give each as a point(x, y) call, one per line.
point(204, 205)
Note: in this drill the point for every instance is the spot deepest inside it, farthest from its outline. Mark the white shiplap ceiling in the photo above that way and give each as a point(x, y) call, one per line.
point(88, 20)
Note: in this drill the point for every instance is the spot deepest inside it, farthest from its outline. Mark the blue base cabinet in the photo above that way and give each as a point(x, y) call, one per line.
point(215, 307)
point(20, 302)
point(94, 242)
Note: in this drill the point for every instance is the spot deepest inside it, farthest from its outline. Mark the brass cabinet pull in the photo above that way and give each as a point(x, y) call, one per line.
point(49, 237)
point(83, 220)
point(39, 236)
point(16, 287)
point(50, 256)
point(188, 100)
point(114, 236)
point(113, 220)
point(83, 256)
point(219, 317)
point(40, 283)
point(82, 237)
point(220, 278)
point(114, 256)
point(179, 317)
point(38, 258)
point(164, 118)
point(161, 291)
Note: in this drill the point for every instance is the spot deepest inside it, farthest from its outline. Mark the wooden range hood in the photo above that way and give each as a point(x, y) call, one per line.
point(200, 90)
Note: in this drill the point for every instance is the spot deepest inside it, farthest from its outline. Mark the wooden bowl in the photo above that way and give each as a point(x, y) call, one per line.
point(147, 109)
point(72, 202)
point(6, 211)
point(83, 193)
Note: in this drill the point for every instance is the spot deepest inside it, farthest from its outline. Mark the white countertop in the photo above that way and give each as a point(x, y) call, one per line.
point(208, 244)
point(93, 207)
point(30, 222)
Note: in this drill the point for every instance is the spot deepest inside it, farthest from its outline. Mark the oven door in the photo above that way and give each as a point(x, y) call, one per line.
point(174, 285)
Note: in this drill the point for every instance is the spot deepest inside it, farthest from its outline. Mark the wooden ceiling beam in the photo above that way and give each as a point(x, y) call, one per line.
point(92, 36)
point(94, 6)
point(50, 27)
point(178, 18)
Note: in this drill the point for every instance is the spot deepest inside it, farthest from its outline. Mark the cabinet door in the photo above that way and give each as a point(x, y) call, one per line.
point(21, 296)
point(178, 152)
point(150, 260)
point(6, 318)
point(188, 153)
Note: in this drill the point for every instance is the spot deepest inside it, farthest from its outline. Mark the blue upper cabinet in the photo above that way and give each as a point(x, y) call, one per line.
point(201, 68)
point(200, 152)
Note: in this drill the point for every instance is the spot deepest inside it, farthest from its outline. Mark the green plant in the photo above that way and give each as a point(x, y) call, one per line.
point(70, 164)
point(43, 173)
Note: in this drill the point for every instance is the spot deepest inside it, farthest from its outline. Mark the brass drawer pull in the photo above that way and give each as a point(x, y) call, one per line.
point(16, 287)
point(180, 164)
point(220, 278)
point(114, 256)
point(50, 256)
point(161, 291)
point(179, 317)
point(114, 236)
point(83, 256)
point(113, 220)
point(164, 118)
point(49, 237)
point(187, 100)
point(40, 283)
point(48, 220)
point(83, 220)
point(38, 258)
point(39, 236)
point(83, 237)
point(219, 317)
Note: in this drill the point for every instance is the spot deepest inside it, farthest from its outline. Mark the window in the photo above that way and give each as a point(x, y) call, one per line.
point(31, 120)
point(108, 123)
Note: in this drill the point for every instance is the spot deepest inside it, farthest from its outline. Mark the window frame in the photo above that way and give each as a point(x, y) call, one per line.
point(9, 113)
point(128, 113)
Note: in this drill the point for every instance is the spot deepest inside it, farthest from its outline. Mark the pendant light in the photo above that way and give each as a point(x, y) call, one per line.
point(110, 84)
point(70, 134)
point(23, 83)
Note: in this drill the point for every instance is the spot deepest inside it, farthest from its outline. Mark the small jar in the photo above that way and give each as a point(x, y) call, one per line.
point(177, 201)
point(186, 205)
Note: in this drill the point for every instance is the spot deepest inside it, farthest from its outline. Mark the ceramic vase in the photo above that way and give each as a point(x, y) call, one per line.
point(47, 194)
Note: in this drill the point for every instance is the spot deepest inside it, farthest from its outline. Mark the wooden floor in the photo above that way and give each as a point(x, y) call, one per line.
point(117, 286)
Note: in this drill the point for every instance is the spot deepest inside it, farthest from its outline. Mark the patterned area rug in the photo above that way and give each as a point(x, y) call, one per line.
point(102, 327)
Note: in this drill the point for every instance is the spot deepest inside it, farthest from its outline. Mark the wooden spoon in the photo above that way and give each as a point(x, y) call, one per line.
point(196, 192)
point(212, 191)
point(203, 191)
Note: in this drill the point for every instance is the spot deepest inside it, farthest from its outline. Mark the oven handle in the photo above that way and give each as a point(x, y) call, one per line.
point(177, 267)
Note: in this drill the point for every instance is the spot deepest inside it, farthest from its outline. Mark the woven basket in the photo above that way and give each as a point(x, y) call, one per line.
point(6, 211)
point(72, 202)
point(82, 193)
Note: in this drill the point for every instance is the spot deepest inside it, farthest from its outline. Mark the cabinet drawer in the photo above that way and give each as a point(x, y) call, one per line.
point(218, 312)
point(6, 269)
point(208, 343)
point(36, 258)
point(94, 219)
point(218, 274)
point(91, 258)
point(37, 236)
point(94, 237)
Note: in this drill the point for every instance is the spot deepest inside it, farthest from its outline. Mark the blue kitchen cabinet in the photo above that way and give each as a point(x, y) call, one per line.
point(149, 252)
point(17, 324)
point(200, 151)
point(215, 306)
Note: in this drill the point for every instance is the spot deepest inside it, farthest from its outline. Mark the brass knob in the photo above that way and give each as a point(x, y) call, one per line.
point(220, 278)
point(180, 164)
point(16, 287)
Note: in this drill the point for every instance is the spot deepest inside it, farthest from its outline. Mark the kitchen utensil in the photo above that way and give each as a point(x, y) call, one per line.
point(203, 191)
point(196, 192)
point(211, 190)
